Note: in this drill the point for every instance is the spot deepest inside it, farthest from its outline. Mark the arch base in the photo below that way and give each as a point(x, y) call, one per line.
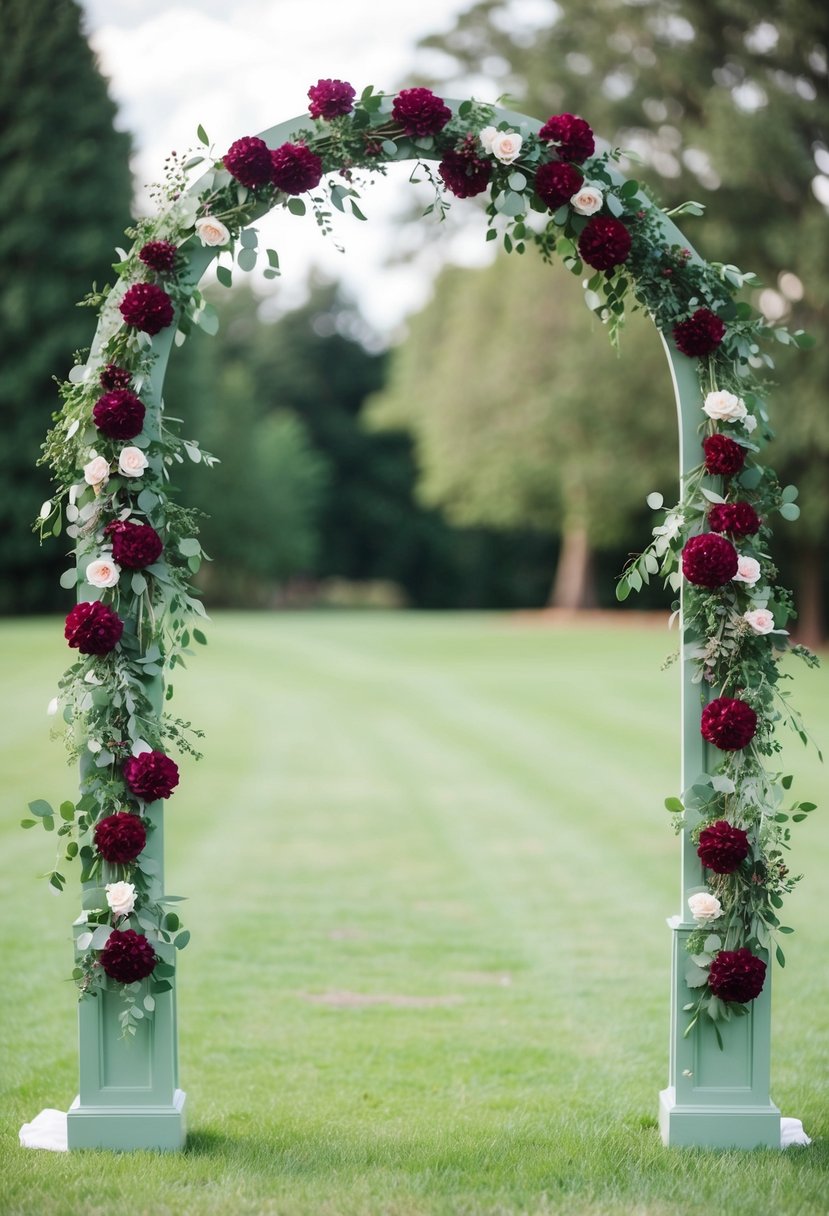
point(717, 1126)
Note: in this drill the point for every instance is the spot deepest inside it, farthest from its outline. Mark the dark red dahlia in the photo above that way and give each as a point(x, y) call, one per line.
point(128, 956)
point(722, 847)
point(159, 255)
point(134, 545)
point(151, 775)
point(330, 98)
point(419, 112)
point(557, 182)
point(92, 627)
point(723, 457)
point(604, 243)
point(738, 518)
point(700, 334)
point(249, 161)
point(729, 723)
point(737, 975)
point(709, 560)
point(295, 168)
point(119, 414)
point(120, 837)
point(571, 135)
point(147, 307)
point(115, 377)
point(465, 176)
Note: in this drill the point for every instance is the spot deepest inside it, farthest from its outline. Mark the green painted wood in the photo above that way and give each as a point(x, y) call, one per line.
point(714, 1098)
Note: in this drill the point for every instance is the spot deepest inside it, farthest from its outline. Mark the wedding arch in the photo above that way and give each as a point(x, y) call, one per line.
point(113, 455)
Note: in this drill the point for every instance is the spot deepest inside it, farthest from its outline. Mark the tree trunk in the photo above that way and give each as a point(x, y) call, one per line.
point(574, 585)
point(810, 626)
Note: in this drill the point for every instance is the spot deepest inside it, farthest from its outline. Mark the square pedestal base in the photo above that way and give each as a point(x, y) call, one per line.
point(717, 1126)
point(127, 1128)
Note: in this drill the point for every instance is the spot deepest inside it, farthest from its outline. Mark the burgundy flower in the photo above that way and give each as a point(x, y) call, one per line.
point(92, 627)
point(249, 161)
point(556, 182)
point(723, 457)
point(737, 975)
point(329, 98)
point(420, 112)
point(729, 723)
point(134, 545)
point(147, 307)
point(119, 414)
point(159, 255)
point(700, 334)
point(120, 837)
point(151, 775)
point(128, 956)
point(115, 377)
point(572, 136)
point(295, 168)
point(738, 518)
point(722, 847)
point(604, 243)
point(709, 560)
point(465, 176)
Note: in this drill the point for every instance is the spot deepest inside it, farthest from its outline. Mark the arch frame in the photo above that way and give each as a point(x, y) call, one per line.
point(718, 1092)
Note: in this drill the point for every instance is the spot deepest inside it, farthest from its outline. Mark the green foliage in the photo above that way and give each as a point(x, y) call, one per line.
point(66, 199)
point(723, 103)
point(523, 415)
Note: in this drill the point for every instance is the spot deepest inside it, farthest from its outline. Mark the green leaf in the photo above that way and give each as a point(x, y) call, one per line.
point(149, 1003)
point(249, 238)
point(273, 258)
point(67, 811)
point(780, 956)
point(41, 808)
point(224, 276)
point(171, 922)
point(674, 805)
point(138, 583)
point(201, 135)
point(712, 943)
point(199, 637)
point(147, 499)
point(28, 823)
point(786, 781)
point(789, 493)
point(69, 579)
point(355, 210)
point(511, 203)
point(389, 147)
point(517, 181)
point(622, 590)
point(296, 206)
point(247, 258)
point(160, 986)
point(790, 511)
point(208, 320)
point(750, 478)
point(189, 546)
point(614, 205)
point(182, 939)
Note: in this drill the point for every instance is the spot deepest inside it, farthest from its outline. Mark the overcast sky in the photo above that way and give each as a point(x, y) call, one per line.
point(240, 66)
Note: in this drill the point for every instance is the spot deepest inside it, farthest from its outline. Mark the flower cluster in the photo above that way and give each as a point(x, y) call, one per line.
point(139, 548)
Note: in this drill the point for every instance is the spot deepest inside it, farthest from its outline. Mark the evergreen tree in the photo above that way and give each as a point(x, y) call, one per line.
point(66, 192)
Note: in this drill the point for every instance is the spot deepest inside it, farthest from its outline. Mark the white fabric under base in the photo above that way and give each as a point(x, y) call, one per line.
point(48, 1130)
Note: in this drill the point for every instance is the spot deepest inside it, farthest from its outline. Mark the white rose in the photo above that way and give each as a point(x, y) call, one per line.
point(506, 146)
point(486, 137)
point(132, 462)
point(723, 406)
point(760, 620)
point(103, 572)
point(748, 571)
point(749, 422)
point(96, 473)
point(120, 897)
point(704, 907)
point(211, 232)
point(587, 201)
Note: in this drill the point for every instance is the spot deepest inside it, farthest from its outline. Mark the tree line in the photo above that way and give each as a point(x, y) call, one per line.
point(501, 455)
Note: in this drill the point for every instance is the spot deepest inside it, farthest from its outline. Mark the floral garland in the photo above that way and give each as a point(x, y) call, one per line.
point(112, 453)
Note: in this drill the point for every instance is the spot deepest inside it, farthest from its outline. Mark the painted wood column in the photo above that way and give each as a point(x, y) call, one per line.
point(715, 1098)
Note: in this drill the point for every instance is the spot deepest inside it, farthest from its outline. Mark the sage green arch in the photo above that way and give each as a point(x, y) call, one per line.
point(715, 1097)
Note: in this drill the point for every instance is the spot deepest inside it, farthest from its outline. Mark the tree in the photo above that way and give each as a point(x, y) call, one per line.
point(524, 416)
point(66, 190)
point(725, 104)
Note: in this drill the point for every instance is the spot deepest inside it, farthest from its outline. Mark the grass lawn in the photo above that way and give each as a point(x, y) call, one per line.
point(428, 872)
